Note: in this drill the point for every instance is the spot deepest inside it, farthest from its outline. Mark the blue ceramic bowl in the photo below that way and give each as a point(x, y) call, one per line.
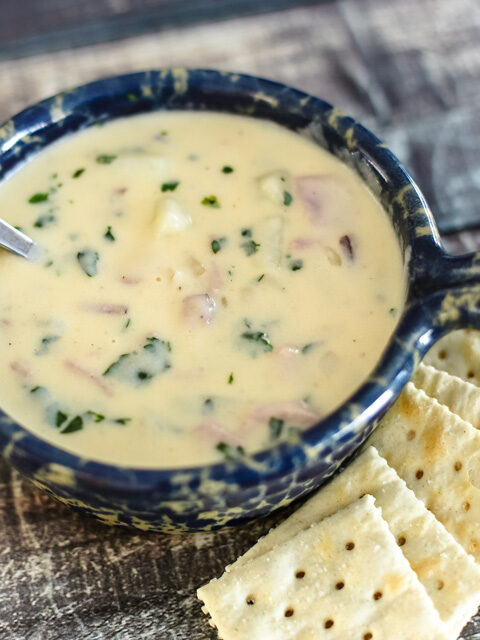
point(441, 296)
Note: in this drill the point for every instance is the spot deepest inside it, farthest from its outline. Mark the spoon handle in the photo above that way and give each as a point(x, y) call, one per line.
point(16, 241)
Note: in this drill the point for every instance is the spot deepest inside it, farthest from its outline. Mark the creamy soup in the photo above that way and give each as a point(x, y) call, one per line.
point(208, 285)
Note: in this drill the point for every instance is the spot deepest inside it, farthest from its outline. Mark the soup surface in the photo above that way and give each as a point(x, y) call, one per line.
point(208, 285)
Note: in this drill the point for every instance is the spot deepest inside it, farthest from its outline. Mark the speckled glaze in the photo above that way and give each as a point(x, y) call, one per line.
point(442, 295)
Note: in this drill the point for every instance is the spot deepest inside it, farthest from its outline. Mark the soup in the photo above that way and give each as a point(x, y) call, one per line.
point(208, 285)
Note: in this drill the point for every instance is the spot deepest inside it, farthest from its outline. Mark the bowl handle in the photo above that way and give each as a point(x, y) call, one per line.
point(445, 297)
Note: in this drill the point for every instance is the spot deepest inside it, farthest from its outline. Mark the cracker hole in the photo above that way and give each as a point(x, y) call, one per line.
point(440, 585)
point(300, 574)
point(349, 546)
point(466, 506)
point(419, 474)
point(411, 434)
point(367, 636)
point(458, 465)
point(377, 595)
point(250, 600)
point(339, 585)
point(470, 374)
point(328, 624)
point(401, 540)
point(442, 354)
point(289, 612)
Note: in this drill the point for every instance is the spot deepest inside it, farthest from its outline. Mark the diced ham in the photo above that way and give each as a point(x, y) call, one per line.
point(324, 198)
point(19, 369)
point(199, 308)
point(216, 432)
point(287, 351)
point(89, 375)
point(214, 279)
point(347, 246)
point(295, 412)
point(130, 280)
point(300, 244)
point(105, 307)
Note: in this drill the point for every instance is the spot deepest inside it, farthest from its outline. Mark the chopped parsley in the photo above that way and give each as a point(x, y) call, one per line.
point(250, 247)
point(276, 427)
point(259, 337)
point(78, 173)
point(131, 97)
point(105, 159)
point(44, 221)
point(393, 311)
point(170, 186)
point(287, 198)
point(308, 347)
point(38, 197)
point(108, 235)
point(142, 365)
point(60, 418)
point(260, 278)
point(88, 259)
point(246, 233)
point(122, 420)
point(296, 265)
point(208, 405)
point(227, 169)
point(76, 424)
point(45, 344)
point(97, 417)
point(127, 324)
point(230, 451)
point(217, 244)
point(230, 378)
point(211, 201)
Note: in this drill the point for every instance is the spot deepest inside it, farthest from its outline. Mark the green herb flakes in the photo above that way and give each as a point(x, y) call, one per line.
point(208, 405)
point(260, 278)
point(250, 247)
point(78, 173)
point(276, 427)
point(45, 345)
point(230, 451)
point(211, 201)
point(76, 424)
point(38, 197)
point(105, 159)
point(227, 169)
point(217, 244)
point(287, 198)
point(231, 378)
point(170, 186)
point(97, 417)
point(308, 347)
point(139, 367)
point(296, 265)
point(88, 259)
point(122, 420)
point(108, 235)
point(393, 311)
point(246, 233)
point(259, 337)
point(44, 221)
point(60, 418)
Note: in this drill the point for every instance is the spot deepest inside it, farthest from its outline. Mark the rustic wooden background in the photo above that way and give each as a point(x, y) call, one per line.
point(409, 69)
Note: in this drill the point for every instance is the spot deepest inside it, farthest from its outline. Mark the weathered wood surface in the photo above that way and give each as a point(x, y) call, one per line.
point(408, 68)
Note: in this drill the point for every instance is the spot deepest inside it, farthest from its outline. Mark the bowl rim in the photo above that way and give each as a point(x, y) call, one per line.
point(354, 414)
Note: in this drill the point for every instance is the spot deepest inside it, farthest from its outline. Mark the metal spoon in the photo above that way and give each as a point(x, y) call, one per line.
point(17, 242)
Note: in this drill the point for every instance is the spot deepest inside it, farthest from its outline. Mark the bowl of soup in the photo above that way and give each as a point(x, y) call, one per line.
point(234, 282)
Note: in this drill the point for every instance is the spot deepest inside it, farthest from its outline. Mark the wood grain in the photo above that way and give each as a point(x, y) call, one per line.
point(410, 69)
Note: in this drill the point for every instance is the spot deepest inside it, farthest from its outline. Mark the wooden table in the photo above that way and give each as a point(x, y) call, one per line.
point(410, 69)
